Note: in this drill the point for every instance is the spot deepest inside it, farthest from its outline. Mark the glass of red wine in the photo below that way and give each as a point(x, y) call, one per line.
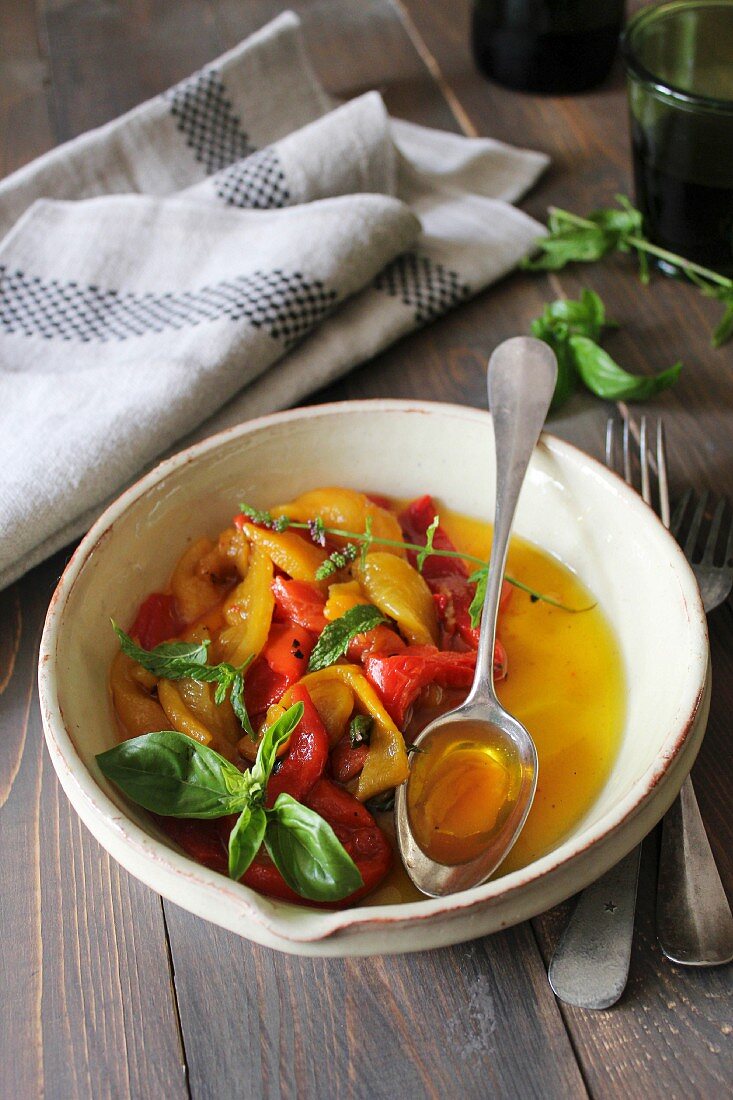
point(679, 64)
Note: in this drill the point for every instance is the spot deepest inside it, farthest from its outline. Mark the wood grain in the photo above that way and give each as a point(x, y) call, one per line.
point(99, 970)
point(87, 1008)
point(455, 1022)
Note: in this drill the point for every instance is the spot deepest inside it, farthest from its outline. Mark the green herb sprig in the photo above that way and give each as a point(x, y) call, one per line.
point(335, 637)
point(174, 776)
point(573, 329)
point(369, 539)
point(187, 661)
point(573, 239)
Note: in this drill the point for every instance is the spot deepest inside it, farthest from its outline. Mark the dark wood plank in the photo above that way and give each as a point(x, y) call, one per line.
point(25, 128)
point(107, 58)
point(83, 958)
point(455, 1022)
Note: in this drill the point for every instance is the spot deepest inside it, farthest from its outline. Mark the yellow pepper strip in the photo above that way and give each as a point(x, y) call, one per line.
point(291, 553)
point(233, 546)
point(248, 611)
point(218, 718)
point(341, 598)
point(386, 765)
point(334, 701)
point(400, 592)
point(131, 692)
point(179, 715)
point(345, 509)
point(195, 592)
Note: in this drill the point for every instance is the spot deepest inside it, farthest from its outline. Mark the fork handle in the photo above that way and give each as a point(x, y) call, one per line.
point(590, 966)
point(694, 921)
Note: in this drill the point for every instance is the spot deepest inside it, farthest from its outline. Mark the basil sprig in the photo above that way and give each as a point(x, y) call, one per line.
point(174, 776)
point(572, 239)
point(334, 639)
point(573, 330)
point(187, 661)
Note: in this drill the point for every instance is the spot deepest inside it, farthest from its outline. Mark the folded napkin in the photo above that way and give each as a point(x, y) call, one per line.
point(215, 254)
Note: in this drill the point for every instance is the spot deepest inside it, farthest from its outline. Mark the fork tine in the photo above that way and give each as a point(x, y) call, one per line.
point(729, 546)
point(646, 489)
point(610, 442)
point(712, 542)
point(627, 454)
point(679, 513)
point(662, 475)
point(695, 527)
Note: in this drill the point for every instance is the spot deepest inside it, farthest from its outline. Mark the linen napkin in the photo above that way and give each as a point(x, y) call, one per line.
point(219, 241)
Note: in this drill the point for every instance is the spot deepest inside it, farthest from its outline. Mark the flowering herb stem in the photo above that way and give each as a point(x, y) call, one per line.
point(417, 548)
point(318, 532)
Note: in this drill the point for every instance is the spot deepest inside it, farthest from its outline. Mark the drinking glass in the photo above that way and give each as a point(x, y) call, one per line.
point(679, 64)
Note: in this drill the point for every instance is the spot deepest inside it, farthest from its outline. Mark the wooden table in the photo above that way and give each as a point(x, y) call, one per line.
point(105, 989)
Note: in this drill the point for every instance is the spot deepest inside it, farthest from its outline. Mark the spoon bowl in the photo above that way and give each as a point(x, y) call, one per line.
point(472, 786)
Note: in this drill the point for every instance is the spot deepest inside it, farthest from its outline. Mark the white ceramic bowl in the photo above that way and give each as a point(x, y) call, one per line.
point(570, 506)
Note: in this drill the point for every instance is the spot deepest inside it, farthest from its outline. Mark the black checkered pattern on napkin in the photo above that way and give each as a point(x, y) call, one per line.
point(286, 304)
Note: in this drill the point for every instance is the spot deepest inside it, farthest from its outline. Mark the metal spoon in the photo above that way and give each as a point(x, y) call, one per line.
point(521, 380)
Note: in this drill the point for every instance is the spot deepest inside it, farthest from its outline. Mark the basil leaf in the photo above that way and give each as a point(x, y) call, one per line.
point(606, 378)
point(570, 245)
point(567, 375)
point(245, 839)
point(277, 734)
point(481, 577)
point(170, 661)
point(335, 638)
point(237, 699)
point(171, 774)
point(308, 854)
point(360, 728)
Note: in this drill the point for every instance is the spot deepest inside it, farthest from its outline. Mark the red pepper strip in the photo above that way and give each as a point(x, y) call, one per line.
point(453, 597)
point(415, 521)
point(382, 639)
point(357, 830)
point(347, 761)
point(262, 687)
point(400, 679)
point(306, 755)
point(380, 501)
point(156, 621)
point(300, 602)
point(283, 661)
point(287, 650)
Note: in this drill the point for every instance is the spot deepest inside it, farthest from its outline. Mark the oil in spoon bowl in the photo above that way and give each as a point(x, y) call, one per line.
point(472, 782)
point(463, 786)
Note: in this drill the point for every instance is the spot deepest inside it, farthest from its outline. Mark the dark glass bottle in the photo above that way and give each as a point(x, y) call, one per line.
point(551, 46)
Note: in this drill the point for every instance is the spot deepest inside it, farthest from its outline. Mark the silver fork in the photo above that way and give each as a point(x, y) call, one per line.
point(694, 921)
point(591, 962)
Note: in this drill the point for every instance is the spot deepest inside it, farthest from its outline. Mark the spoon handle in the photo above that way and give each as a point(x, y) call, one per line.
point(521, 381)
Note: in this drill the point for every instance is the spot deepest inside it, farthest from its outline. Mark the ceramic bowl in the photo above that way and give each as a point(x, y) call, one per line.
point(570, 506)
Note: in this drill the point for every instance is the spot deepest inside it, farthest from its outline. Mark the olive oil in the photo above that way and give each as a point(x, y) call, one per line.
point(462, 786)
